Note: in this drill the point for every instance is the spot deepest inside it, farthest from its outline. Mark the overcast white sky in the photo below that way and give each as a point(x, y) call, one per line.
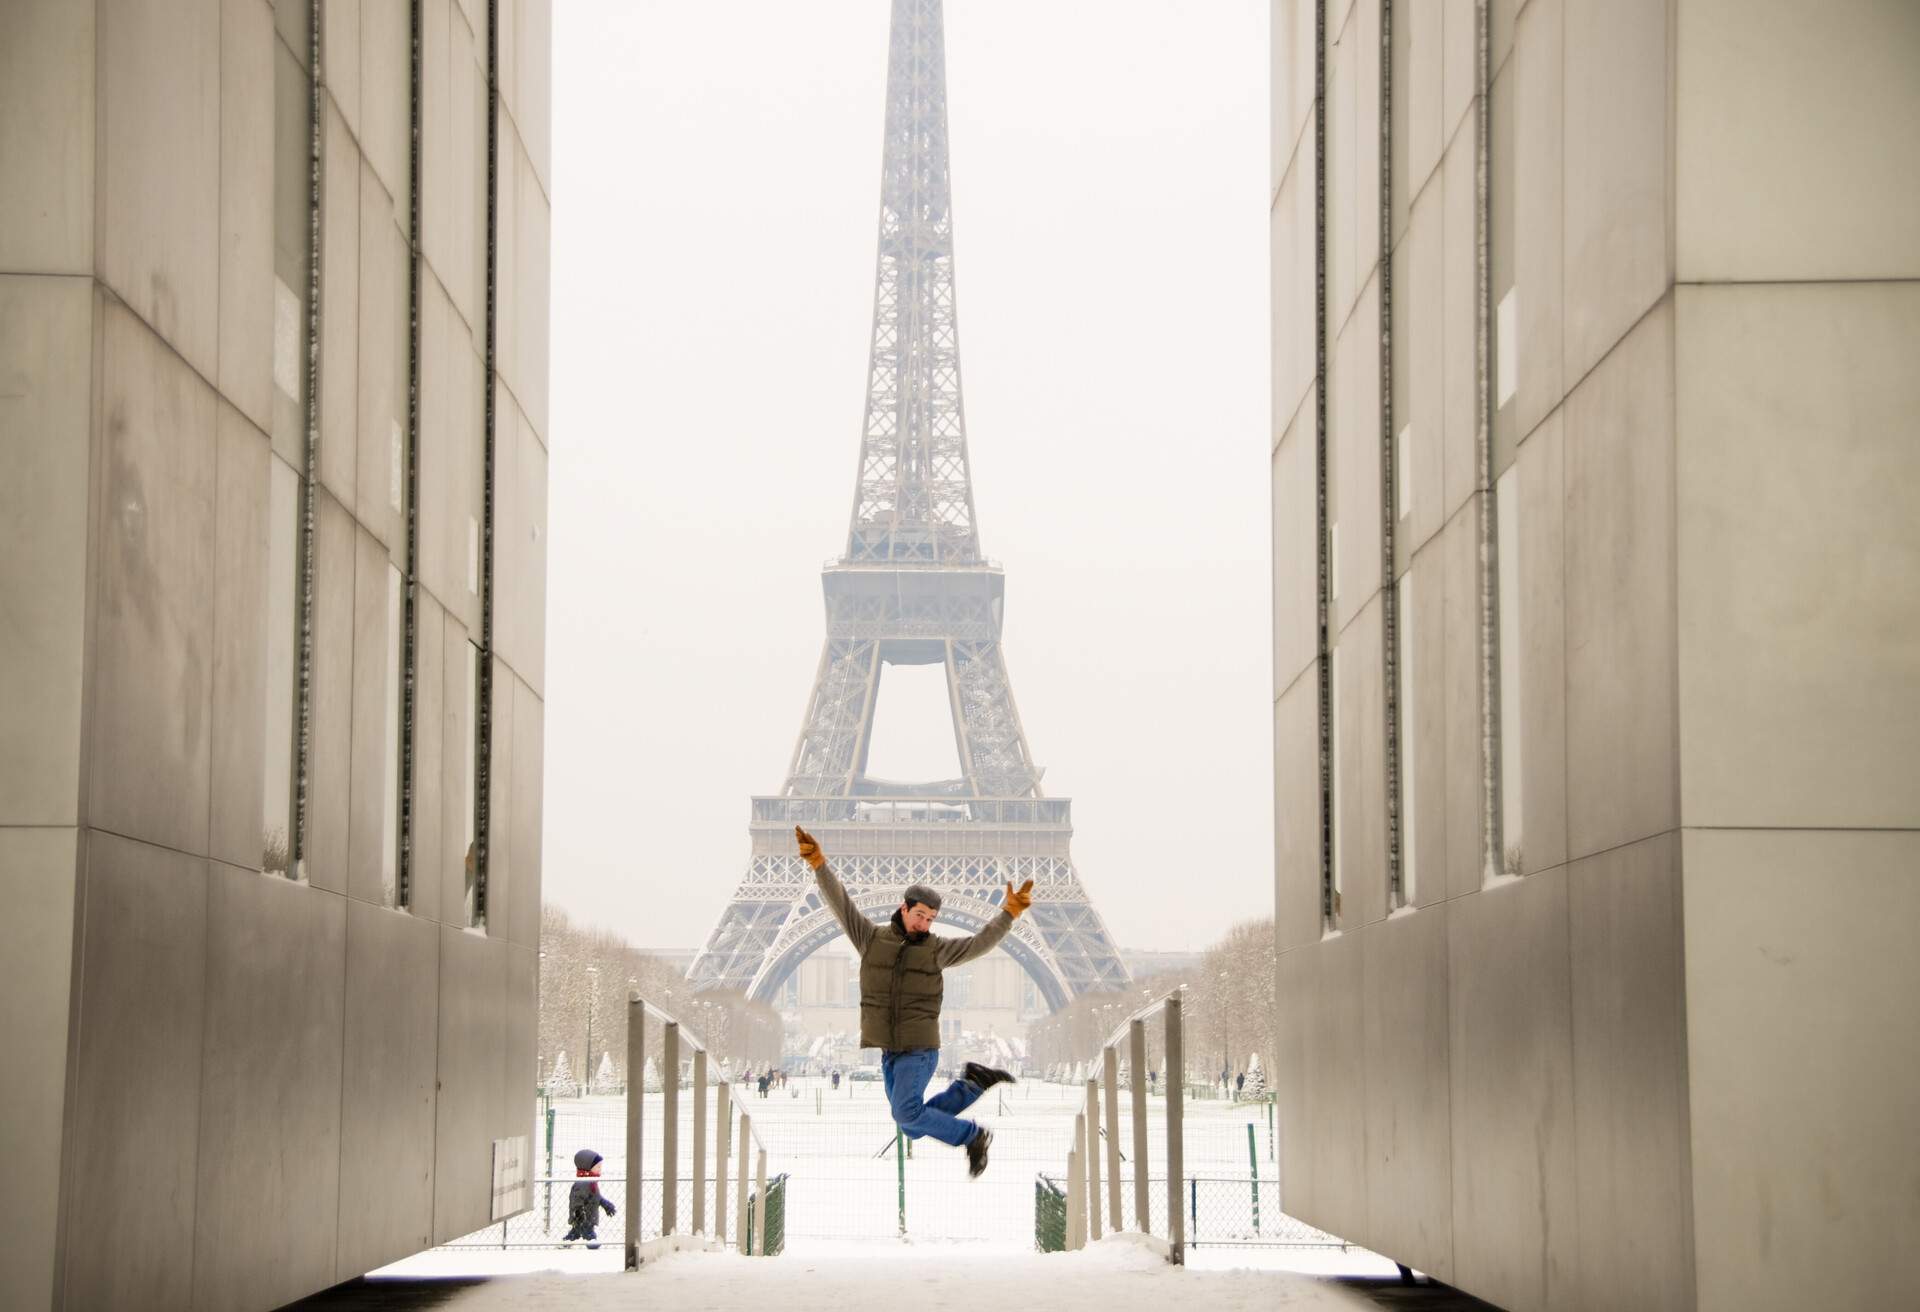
point(716, 189)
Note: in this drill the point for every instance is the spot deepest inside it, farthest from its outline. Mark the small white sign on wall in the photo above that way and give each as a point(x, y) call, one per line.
point(396, 466)
point(512, 1190)
point(1507, 353)
point(287, 332)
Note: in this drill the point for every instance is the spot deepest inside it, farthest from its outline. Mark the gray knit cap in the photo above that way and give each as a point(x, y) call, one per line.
point(922, 894)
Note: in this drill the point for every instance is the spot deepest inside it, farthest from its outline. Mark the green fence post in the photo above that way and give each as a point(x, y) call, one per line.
point(900, 1162)
point(547, 1212)
point(1253, 1160)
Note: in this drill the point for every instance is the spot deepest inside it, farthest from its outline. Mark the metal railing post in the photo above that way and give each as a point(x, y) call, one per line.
point(722, 1145)
point(636, 1104)
point(1253, 1165)
point(546, 1212)
point(1093, 1159)
point(1112, 1076)
point(746, 1146)
point(760, 1204)
point(700, 1142)
point(1077, 1184)
point(1137, 1063)
point(1176, 1156)
point(669, 1128)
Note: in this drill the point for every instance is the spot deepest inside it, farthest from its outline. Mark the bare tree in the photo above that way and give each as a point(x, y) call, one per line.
point(1228, 1011)
point(586, 976)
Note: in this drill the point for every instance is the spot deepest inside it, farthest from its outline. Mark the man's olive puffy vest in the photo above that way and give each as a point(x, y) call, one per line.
point(900, 981)
point(900, 991)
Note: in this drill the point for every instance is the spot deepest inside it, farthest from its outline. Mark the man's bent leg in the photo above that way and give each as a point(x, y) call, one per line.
point(916, 1116)
point(955, 1098)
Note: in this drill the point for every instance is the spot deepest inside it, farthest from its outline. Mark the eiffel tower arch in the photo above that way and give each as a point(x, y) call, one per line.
point(912, 588)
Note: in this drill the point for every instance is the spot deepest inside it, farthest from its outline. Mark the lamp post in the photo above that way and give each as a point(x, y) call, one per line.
point(593, 983)
point(540, 1003)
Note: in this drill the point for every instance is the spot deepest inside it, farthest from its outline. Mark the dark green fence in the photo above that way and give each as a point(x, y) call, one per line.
point(1049, 1215)
point(1221, 1212)
point(776, 1218)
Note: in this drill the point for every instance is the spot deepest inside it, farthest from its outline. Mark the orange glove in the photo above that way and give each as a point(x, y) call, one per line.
point(810, 850)
point(1018, 900)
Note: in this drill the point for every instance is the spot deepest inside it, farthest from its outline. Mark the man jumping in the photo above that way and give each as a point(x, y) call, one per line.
point(900, 991)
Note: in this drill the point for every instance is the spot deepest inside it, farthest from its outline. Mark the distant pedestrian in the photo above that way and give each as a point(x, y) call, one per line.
point(1239, 1083)
point(586, 1200)
point(836, 1081)
point(763, 1084)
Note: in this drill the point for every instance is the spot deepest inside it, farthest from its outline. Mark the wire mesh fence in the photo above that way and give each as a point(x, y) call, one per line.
point(597, 1123)
point(548, 1224)
point(848, 1176)
point(1244, 1213)
point(1221, 1213)
point(1049, 1215)
point(776, 1219)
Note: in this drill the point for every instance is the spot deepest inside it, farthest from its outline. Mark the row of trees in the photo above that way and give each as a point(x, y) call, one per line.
point(585, 978)
point(1227, 1012)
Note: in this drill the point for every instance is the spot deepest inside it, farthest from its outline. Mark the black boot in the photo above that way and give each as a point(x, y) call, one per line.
point(984, 1077)
point(977, 1152)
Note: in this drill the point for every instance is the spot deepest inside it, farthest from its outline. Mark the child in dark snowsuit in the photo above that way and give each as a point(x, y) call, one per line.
point(585, 1202)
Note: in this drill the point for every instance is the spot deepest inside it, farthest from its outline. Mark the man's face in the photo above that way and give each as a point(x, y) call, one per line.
point(918, 917)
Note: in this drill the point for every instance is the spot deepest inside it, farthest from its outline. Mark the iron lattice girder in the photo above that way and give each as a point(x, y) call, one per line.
point(913, 589)
point(776, 919)
point(896, 601)
point(914, 499)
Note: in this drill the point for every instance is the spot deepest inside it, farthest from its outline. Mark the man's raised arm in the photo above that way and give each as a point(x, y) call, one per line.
point(859, 929)
point(959, 951)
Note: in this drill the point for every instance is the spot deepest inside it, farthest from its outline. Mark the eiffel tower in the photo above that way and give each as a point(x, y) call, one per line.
point(913, 589)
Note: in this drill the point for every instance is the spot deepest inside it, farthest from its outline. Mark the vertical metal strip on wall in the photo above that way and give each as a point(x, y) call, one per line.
point(483, 753)
point(1328, 915)
point(1492, 861)
point(410, 653)
point(1389, 474)
point(303, 761)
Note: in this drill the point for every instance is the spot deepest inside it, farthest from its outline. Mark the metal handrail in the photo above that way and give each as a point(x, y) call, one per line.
point(687, 1036)
point(1083, 1158)
point(751, 1145)
point(1144, 1013)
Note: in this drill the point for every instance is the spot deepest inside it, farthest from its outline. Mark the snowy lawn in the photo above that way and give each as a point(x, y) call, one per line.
point(826, 1276)
point(969, 1243)
point(845, 1183)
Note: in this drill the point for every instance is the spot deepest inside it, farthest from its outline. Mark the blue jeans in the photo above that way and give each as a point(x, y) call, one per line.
point(906, 1075)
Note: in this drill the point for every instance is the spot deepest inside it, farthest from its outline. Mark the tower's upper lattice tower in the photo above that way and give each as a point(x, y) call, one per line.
point(913, 502)
point(913, 589)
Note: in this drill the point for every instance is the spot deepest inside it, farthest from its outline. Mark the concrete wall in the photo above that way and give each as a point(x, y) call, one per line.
point(1797, 493)
point(237, 1086)
point(1578, 1075)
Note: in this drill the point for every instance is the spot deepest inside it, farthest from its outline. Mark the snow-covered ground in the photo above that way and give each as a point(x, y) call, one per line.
point(968, 1243)
point(844, 1182)
point(1110, 1276)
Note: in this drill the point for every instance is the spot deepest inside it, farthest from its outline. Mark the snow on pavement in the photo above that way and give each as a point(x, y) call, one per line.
point(1115, 1274)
